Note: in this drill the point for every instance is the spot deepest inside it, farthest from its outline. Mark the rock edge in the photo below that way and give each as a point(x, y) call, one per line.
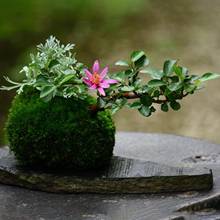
point(124, 175)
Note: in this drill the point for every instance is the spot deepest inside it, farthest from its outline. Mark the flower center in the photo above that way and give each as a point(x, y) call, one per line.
point(96, 78)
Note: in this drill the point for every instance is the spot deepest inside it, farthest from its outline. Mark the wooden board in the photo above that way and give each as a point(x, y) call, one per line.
point(124, 175)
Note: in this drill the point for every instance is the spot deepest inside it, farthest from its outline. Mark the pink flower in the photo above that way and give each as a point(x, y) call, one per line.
point(96, 79)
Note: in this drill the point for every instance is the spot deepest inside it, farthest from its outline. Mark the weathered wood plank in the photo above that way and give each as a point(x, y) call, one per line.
point(124, 175)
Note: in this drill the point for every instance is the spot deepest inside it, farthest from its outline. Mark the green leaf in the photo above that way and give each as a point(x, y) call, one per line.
point(152, 109)
point(156, 83)
point(127, 88)
point(145, 89)
point(119, 76)
point(10, 81)
point(121, 102)
point(41, 81)
point(128, 72)
point(47, 90)
point(181, 72)
point(135, 105)
point(175, 105)
point(189, 88)
point(173, 79)
point(137, 83)
point(80, 65)
point(114, 109)
point(209, 76)
point(80, 88)
point(146, 61)
point(172, 96)
point(139, 59)
point(101, 102)
point(136, 55)
point(145, 111)
point(143, 61)
point(121, 63)
point(153, 73)
point(66, 79)
point(193, 78)
point(168, 66)
point(175, 86)
point(164, 107)
point(156, 93)
point(53, 63)
point(8, 88)
point(146, 100)
point(48, 97)
point(69, 71)
point(185, 71)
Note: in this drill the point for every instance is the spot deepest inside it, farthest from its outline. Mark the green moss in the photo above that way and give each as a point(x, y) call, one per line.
point(62, 133)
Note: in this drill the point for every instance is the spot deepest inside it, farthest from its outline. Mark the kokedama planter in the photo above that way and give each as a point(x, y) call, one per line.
point(51, 124)
point(60, 134)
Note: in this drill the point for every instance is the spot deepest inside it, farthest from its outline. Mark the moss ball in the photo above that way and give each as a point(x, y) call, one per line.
point(60, 134)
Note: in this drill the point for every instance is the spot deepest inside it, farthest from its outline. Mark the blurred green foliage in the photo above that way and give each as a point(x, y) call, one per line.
point(88, 23)
point(44, 15)
point(24, 24)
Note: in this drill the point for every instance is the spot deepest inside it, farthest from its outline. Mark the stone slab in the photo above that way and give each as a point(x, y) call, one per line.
point(167, 149)
point(124, 175)
point(211, 202)
point(18, 203)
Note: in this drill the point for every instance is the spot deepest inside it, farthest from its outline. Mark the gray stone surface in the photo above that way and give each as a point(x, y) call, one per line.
point(211, 202)
point(124, 175)
point(17, 203)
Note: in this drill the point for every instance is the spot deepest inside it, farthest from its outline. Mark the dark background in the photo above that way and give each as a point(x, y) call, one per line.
point(109, 30)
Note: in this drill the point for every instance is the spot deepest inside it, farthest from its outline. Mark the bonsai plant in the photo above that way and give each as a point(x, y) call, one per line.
point(61, 115)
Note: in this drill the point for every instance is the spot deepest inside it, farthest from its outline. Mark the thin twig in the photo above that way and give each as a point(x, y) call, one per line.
point(131, 95)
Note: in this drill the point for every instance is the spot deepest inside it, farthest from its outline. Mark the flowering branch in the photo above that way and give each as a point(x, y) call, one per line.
point(54, 71)
point(173, 83)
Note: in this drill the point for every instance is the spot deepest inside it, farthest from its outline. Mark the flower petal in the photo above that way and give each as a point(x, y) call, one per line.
point(104, 84)
point(111, 81)
point(101, 91)
point(87, 81)
point(95, 67)
point(94, 86)
point(104, 72)
point(88, 74)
